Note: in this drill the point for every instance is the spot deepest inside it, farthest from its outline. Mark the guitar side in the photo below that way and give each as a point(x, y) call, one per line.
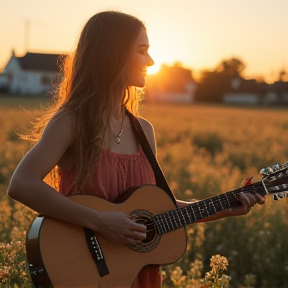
point(67, 258)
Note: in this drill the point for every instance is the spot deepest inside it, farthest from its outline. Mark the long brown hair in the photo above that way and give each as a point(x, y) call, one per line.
point(93, 77)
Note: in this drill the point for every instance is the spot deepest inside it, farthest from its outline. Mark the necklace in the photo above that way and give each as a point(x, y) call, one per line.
point(117, 136)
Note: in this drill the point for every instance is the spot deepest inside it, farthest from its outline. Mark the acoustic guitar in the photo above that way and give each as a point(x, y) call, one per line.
point(61, 255)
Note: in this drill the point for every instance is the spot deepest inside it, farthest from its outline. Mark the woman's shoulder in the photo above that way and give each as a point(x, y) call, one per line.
point(149, 132)
point(60, 121)
point(60, 126)
point(145, 124)
point(65, 117)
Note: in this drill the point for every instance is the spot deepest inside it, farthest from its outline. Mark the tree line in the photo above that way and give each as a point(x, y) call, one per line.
point(212, 84)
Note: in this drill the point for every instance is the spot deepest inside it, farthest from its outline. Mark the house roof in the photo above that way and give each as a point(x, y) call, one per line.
point(248, 86)
point(279, 86)
point(39, 61)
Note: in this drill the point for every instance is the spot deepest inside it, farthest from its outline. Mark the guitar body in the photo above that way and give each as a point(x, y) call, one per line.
point(66, 256)
point(61, 255)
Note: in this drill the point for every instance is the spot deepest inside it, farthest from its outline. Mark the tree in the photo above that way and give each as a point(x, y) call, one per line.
point(213, 84)
point(231, 68)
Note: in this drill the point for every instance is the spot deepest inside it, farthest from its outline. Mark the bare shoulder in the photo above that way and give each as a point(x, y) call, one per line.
point(63, 122)
point(57, 137)
point(149, 132)
point(58, 134)
point(146, 125)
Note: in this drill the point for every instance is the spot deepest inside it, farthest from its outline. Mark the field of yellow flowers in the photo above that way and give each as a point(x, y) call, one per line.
point(203, 151)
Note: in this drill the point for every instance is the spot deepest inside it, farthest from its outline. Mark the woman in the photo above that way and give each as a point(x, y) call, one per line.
point(88, 137)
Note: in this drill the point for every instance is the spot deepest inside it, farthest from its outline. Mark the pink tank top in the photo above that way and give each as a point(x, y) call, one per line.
point(113, 175)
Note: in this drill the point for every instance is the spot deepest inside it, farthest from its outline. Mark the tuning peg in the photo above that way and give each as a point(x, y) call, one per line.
point(275, 197)
point(266, 171)
point(281, 195)
point(276, 167)
point(285, 164)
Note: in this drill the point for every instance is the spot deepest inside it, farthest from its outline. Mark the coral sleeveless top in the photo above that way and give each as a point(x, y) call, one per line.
point(113, 175)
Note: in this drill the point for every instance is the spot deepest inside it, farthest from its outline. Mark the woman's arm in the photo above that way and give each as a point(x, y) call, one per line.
point(27, 186)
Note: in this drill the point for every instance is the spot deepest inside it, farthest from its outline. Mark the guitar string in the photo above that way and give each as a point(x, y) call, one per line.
point(151, 226)
point(229, 196)
point(233, 201)
point(202, 205)
point(161, 223)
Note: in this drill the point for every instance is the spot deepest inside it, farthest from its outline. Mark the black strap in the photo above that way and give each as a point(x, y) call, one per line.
point(159, 176)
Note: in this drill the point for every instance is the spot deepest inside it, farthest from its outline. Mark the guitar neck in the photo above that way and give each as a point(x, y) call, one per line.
point(174, 219)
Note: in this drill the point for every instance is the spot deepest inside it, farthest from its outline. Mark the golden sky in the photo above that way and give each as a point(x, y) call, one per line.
point(198, 33)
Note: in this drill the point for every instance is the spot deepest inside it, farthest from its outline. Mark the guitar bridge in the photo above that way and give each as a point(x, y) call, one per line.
point(96, 252)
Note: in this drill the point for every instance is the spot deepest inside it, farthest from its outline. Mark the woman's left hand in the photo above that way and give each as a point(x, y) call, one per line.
point(248, 200)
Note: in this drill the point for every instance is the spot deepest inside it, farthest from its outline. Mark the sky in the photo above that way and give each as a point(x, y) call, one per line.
point(197, 33)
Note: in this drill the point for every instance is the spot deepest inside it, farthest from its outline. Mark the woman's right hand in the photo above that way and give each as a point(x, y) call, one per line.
point(118, 227)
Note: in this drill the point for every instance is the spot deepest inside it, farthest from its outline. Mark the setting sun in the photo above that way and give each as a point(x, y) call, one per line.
point(153, 69)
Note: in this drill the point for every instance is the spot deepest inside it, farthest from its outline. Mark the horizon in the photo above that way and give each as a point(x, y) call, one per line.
point(197, 33)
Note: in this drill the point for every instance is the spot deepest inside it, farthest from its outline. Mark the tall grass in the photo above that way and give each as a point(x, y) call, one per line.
point(207, 150)
point(203, 151)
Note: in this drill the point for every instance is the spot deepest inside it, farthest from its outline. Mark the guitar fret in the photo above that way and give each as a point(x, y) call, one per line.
point(183, 217)
point(204, 212)
point(157, 224)
point(228, 200)
point(173, 220)
point(199, 210)
point(170, 221)
point(211, 203)
point(206, 208)
point(162, 220)
point(220, 202)
point(166, 217)
point(173, 214)
point(234, 195)
point(188, 215)
point(193, 212)
point(160, 226)
point(179, 219)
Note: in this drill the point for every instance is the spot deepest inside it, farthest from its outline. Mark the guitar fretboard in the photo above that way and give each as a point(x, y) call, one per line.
point(174, 219)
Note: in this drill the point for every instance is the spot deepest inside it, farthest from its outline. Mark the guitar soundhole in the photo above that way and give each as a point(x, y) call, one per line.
point(152, 238)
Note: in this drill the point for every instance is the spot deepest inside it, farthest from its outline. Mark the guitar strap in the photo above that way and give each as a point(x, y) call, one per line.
point(159, 176)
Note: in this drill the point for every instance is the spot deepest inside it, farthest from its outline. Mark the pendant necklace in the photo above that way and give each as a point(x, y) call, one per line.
point(117, 136)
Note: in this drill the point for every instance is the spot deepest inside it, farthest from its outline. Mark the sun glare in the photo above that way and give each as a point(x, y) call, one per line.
point(153, 69)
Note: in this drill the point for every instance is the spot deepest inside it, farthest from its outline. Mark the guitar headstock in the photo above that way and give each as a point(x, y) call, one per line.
point(275, 180)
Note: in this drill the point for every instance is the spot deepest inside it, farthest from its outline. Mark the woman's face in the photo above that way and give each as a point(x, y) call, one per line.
point(139, 61)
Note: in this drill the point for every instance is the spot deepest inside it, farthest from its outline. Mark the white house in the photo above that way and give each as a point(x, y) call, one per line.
point(251, 92)
point(245, 98)
point(33, 73)
point(244, 91)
